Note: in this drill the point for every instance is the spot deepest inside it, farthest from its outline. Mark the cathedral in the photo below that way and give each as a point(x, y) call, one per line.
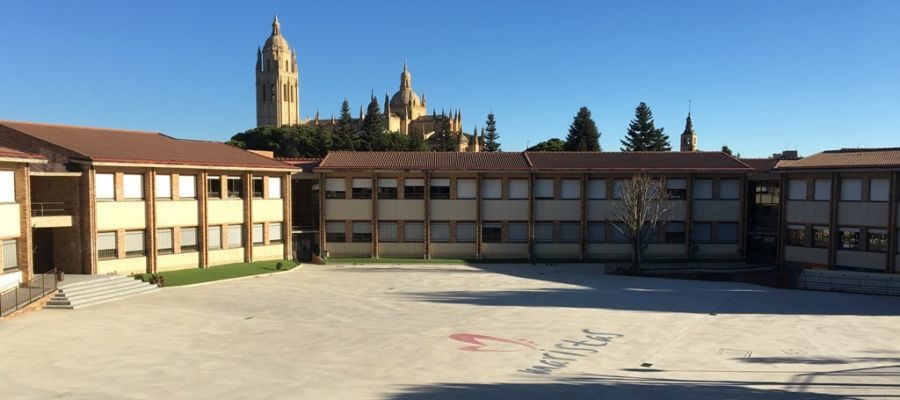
point(277, 100)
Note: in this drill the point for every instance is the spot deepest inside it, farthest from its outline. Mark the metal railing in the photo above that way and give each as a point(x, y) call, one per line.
point(845, 281)
point(27, 293)
point(50, 208)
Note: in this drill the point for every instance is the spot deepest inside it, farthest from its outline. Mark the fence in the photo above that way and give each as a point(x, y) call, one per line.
point(846, 281)
point(27, 292)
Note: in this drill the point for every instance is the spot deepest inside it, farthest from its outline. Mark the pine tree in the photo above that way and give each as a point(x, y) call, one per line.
point(642, 135)
point(583, 133)
point(726, 149)
point(345, 136)
point(372, 127)
point(443, 139)
point(491, 135)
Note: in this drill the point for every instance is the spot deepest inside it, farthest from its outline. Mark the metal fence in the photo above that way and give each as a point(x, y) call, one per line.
point(27, 292)
point(846, 281)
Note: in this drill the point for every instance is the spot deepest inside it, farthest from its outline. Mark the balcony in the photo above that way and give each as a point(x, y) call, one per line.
point(51, 214)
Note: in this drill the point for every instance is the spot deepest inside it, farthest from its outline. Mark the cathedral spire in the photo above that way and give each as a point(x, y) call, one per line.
point(405, 78)
point(688, 137)
point(276, 27)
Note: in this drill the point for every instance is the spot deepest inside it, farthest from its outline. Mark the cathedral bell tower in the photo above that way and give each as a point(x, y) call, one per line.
point(688, 137)
point(277, 82)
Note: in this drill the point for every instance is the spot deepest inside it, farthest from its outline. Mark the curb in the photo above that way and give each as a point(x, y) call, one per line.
point(298, 266)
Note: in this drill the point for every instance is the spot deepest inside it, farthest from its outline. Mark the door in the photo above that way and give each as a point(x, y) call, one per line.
point(303, 246)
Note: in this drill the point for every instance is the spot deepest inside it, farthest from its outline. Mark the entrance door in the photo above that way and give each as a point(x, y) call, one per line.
point(303, 246)
point(762, 247)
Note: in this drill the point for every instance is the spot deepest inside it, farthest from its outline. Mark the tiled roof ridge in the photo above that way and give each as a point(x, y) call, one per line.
point(95, 128)
point(861, 150)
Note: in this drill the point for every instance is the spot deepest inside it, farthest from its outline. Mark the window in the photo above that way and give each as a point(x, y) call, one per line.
point(517, 232)
point(569, 232)
point(703, 189)
point(596, 189)
point(362, 188)
point(187, 186)
point(414, 188)
point(105, 186)
point(387, 188)
point(465, 188)
point(465, 232)
point(728, 232)
point(676, 189)
point(235, 187)
point(675, 232)
point(877, 240)
point(491, 232)
point(134, 244)
point(164, 243)
point(570, 189)
point(413, 231)
point(796, 235)
point(440, 189)
point(851, 189)
point(440, 231)
point(596, 232)
point(258, 238)
point(275, 233)
point(235, 236)
point(188, 239)
point(387, 231)
point(620, 233)
point(849, 238)
point(362, 231)
point(163, 186)
point(797, 189)
point(879, 189)
point(214, 187)
point(729, 189)
point(257, 187)
point(701, 232)
point(336, 231)
point(821, 236)
point(543, 232)
point(518, 189)
point(214, 237)
point(619, 186)
point(133, 186)
point(274, 187)
point(107, 246)
point(335, 188)
point(491, 189)
point(543, 188)
point(822, 189)
point(10, 256)
point(8, 187)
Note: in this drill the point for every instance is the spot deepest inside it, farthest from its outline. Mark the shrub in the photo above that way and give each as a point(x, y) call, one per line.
point(279, 266)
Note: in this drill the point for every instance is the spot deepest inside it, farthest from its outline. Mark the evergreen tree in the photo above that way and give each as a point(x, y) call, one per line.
point(583, 133)
point(372, 127)
point(345, 136)
point(555, 144)
point(443, 139)
point(491, 135)
point(726, 149)
point(642, 135)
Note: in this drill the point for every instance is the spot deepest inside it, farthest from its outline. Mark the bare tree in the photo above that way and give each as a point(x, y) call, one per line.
point(644, 204)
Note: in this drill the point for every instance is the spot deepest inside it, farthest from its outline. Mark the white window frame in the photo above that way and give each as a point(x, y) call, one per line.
point(851, 189)
point(543, 189)
point(187, 186)
point(135, 241)
point(105, 186)
point(570, 189)
point(797, 189)
point(163, 186)
point(9, 252)
point(440, 232)
point(543, 232)
point(184, 239)
point(214, 237)
point(275, 233)
point(596, 189)
point(165, 236)
point(465, 188)
point(822, 189)
point(729, 189)
point(387, 231)
point(132, 186)
point(258, 234)
point(879, 189)
point(274, 187)
point(235, 235)
point(7, 186)
point(492, 188)
point(703, 189)
point(518, 189)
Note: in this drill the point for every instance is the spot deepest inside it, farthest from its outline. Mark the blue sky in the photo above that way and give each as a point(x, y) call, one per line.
point(763, 75)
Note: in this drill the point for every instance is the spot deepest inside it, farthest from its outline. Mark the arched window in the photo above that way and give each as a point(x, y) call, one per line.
point(262, 93)
point(268, 64)
point(272, 92)
point(287, 67)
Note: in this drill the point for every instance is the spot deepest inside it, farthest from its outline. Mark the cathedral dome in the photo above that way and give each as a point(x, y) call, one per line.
point(276, 41)
point(403, 97)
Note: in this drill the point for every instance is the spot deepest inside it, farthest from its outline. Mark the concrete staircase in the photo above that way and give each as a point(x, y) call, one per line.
point(103, 289)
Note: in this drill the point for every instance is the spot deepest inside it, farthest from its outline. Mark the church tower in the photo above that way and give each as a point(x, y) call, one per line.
point(277, 82)
point(688, 137)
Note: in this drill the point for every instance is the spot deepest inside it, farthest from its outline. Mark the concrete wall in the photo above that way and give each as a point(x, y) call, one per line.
point(268, 210)
point(446, 210)
point(225, 212)
point(602, 210)
point(67, 250)
point(453, 250)
point(807, 212)
point(390, 210)
point(666, 250)
point(557, 210)
point(608, 251)
point(349, 249)
point(176, 213)
point(271, 252)
point(504, 250)
point(717, 210)
point(409, 250)
point(806, 255)
point(717, 251)
point(177, 261)
point(557, 250)
point(9, 214)
point(504, 210)
point(337, 209)
point(861, 259)
point(121, 215)
point(862, 213)
point(124, 266)
point(226, 256)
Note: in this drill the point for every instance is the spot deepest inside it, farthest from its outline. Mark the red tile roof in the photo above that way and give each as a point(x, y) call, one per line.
point(136, 147)
point(6, 152)
point(304, 163)
point(424, 160)
point(846, 159)
point(760, 164)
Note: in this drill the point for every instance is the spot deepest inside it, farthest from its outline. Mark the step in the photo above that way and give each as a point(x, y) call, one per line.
point(93, 282)
point(94, 289)
point(86, 302)
point(103, 294)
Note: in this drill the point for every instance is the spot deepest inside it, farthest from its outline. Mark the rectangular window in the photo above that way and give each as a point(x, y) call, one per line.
point(214, 187)
point(849, 238)
point(465, 232)
point(440, 231)
point(596, 189)
point(465, 188)
point(235, 187)
point(105, 186)
point(596, 232)
point(728, 232)
point(569, 232)
point(821, 236)
point(335, 188)
point(851, 189)
point(258, 238)
point(620, 233)
point(274, 187)
point(134, 244)
point(491, 232)
point(275, 233)
point(518, 189)
point(188, 239)
point(362, 231)
point(619, 187)
point(414, 188)
point(570, 189)
point(543, 232)
point(676, 189)
point(387, 231)
point(107, 246)
point(10, 256)
point(164, 243)
point(796, 235)
point(440, 189)
point(187, 186)
point(797, 189)
point(133, 186)
point(163, 186)
point(336, 231)
point(362, 188)
point(214, 237)
point(877, 240)
point(701, 232)
point(729, 189)
point(822, 190)
point(703, 189)
point(517, 232)
point(543, 189)
point(879, 189)
point(413, 231)
point(491, 189)
point(8, 187)
point(675, 232)
point(257, 187)
point(387, 188)
point(235, 236)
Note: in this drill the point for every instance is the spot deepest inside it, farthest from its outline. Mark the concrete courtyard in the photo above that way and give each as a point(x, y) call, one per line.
point(459, 332)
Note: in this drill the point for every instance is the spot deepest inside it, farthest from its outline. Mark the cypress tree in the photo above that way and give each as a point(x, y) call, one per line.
point(583, 134)
point(372, 127)
point(491, 135)
point(642, 135)
point(345, 135)
point(443, 139)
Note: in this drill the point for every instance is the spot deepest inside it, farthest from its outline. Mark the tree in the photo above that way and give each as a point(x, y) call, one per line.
point(583, 133)
point(443, 139)
point(345, 135)
point(372, 127)
point(644, 205)
point(491, 135)
point(286, 141)
point(642, 135)
point(555, 144)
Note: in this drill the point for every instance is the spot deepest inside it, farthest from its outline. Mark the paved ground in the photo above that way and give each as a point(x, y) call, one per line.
point(458, 332)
